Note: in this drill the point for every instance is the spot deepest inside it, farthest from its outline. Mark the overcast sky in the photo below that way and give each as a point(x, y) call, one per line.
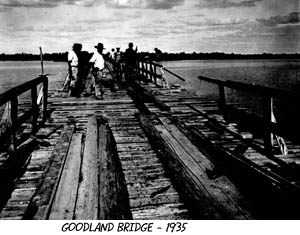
point(231, 26)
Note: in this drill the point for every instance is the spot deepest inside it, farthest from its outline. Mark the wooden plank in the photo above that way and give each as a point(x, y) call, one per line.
point(166, 211)
point(196, 165)
point(85, 101)
point(194, 193)
point(263, 186)
point(138, 99)
point(149, 97)
point(223, 191)
point(243, 137)
point(113, 198)
point(143, 201)
point(88, 194)
point(64, 202)
point(40, 203)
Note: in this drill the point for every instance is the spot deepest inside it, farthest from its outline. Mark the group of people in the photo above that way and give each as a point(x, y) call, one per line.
point(85, 70)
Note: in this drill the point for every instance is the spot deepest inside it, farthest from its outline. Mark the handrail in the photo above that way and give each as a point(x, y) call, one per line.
point(161, 66)
point(148, 69)
point(151, 73)
point(18, 90)
point(268, 94)
point(253, 88)
point(11, 96)
point(174, 74)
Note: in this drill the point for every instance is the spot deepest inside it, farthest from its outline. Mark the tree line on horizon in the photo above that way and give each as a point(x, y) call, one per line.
point(28, 57)
point(62, 57)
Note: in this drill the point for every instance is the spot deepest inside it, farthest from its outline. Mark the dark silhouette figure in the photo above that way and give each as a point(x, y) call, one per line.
point(83, 69)
point(158, 55)
point(130, 60)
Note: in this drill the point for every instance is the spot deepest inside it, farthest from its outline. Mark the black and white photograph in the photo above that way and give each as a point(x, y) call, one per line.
point(154, 113)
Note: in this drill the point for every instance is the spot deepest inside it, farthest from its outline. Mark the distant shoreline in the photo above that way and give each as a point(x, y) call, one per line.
point(62, 57)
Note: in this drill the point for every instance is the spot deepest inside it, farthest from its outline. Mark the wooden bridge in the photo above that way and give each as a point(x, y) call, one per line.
point(144, 152)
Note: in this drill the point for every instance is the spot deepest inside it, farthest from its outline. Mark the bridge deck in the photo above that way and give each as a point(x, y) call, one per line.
point(143, 172)
point(161, 183)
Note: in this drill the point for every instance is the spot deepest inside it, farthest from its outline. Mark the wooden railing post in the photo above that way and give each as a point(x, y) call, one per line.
point(154, 72)
point(155, 75)
point(45, 99)
point(222, 100)
point(139, 67)
point(139, 72)
point(148, 69)
point(14, 120)
point(143, 68)
point(151, 72)
point(267, 117)
point(35, 108)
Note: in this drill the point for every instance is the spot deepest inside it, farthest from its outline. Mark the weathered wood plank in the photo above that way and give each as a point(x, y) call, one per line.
point(88, 195)
point(113, 198)
point(222, 202)
point(165, 211)
point(196, 184)
point(41, 201)
point(221, 189)
point(64, 202)
point(197, 196)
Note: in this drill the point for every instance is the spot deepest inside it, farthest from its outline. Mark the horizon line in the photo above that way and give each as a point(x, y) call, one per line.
point(166, 52)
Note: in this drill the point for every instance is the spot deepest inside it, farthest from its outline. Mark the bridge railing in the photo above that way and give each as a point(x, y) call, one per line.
point(10, 101)
point(153, 71)
point(270, 127)
point(149, 70)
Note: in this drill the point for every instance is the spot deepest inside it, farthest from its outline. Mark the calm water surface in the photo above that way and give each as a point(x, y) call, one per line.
point(13, 73)
point(282, 74)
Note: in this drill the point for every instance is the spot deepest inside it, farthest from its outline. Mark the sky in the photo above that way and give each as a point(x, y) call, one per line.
point(230, 26)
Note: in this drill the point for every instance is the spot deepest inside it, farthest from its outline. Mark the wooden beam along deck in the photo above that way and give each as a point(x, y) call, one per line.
point(144, 152)
point(229, 146)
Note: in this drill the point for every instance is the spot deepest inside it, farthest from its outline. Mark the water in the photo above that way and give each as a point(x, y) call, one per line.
point(281, 74)
point(13, 73)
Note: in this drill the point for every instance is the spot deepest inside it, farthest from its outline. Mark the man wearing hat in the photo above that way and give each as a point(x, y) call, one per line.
point(96, 73)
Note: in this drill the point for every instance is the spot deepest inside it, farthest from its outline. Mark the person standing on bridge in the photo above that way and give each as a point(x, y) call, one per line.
point(130, 60)
point(158, 60)
point(96, 73)
point(73, 76)
point(117, 60)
